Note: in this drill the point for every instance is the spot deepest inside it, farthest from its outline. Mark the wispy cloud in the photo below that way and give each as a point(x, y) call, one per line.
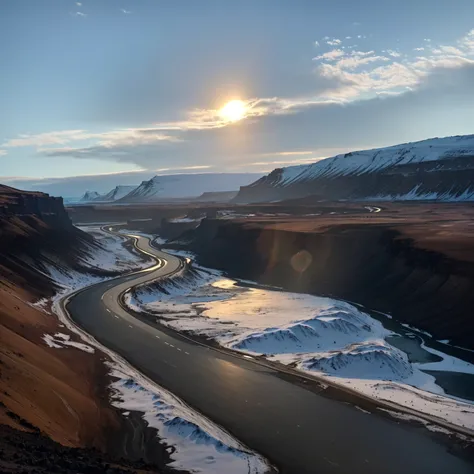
point(83, 15)
point(316, 43)
point(127, 12)
point(79, 4)
point(330, 55)
point(183, 168)
point(361, 76)
point(353, 75)
point(108, 139)
point(334, 42)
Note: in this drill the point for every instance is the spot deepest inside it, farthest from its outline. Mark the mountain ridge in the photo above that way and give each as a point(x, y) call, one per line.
point(436, 168)
point(182, 186)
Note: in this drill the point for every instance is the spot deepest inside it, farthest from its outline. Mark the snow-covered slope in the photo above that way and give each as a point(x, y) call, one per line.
point(117, 193)
point(187, 185)
point(90, 196)
point(438, 168)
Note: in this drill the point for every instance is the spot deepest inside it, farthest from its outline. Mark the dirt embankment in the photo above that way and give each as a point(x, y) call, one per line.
point(56, 391)
point(403, 263)
point(52, 395)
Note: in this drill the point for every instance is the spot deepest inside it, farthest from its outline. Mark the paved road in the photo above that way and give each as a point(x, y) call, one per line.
point(300, 431)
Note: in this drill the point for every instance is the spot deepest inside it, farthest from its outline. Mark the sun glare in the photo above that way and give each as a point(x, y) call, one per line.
point(233, 110)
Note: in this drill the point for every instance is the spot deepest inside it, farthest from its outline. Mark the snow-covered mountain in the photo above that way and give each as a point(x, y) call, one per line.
point(182, 186)
point(438, 168)
point(117, 193)
point(90, 196)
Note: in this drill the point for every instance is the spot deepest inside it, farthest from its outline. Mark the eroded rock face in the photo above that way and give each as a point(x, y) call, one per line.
point(14, 202)
point(368, 264)
point(33, 225)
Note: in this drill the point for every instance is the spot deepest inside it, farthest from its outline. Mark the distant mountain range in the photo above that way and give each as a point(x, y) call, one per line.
point(206, 187)
point(435, 169)
point(90, 196)
point(117, 193)
point(182, 186)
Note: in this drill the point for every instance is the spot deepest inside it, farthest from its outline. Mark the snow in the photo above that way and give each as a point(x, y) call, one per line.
point(447, 364)
point(90, 196)
point(117, 193)
point(111, 254)
point(198, 445)
point(321, 336)
point(405, 417)
point(368, 161)
point(59, 341)
point(188, 185)
point(415, 195)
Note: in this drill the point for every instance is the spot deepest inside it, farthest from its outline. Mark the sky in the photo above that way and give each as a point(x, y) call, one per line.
point(115, 91)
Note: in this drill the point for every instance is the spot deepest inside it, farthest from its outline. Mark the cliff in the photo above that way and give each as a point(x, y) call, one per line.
point(33, 226)
point(426, 281)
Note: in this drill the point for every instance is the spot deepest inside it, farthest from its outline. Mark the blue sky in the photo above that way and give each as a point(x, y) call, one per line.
point(136, 87)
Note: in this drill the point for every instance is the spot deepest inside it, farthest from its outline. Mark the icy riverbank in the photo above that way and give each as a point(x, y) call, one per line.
point(323, 336)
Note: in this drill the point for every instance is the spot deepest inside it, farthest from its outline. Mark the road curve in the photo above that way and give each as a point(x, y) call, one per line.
point(300, 431)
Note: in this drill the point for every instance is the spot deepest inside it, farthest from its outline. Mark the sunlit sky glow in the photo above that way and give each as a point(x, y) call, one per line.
point(145, 86)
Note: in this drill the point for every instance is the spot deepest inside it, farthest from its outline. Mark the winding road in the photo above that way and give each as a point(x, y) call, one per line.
point(298, 429)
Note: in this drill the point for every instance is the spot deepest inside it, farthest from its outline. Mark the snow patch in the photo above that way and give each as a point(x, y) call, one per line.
point(321, 336)
point(197, 444)
point(59, 341)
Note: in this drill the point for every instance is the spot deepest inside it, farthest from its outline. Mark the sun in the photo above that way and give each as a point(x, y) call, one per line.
point(233, 110)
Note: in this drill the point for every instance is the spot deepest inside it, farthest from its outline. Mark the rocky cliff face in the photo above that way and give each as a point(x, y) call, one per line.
point(33, 225)
point(373, 265)
point(436, 169)
point(14, 202)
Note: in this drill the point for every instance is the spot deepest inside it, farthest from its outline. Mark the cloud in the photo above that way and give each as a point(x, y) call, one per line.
point(126, 12)
point(3, 152)
point(467, 42)
point(83, 15)
point(351, 92)
point(419, 49)
point(360, 74)
point(355, 61)
point(334, 42)
point(79, 4)
point(109, 139)
point(316, 43)
point(330, 55)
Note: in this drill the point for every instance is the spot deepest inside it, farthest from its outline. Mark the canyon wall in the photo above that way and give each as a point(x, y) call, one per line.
point(371, 264)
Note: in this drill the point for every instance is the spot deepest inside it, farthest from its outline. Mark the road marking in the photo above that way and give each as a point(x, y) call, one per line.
point(166, 343)
point(107, 309)
point(171, 345)
point(247, 357)
point(116, 316)
point(130, 326)
point(158, 337)
point(178, 349)
point(187, 353)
